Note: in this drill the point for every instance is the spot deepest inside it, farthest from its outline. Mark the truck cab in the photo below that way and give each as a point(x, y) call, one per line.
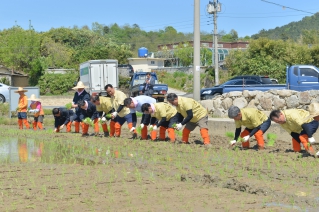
point(137, 85)
point(302, 77)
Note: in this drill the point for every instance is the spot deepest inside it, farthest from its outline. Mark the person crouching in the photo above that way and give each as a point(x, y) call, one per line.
point(88, 109)
point(37, 110)
point(62, 117)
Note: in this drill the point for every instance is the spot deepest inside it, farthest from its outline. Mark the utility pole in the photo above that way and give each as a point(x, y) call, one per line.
point(196, 45)
point(213, 8)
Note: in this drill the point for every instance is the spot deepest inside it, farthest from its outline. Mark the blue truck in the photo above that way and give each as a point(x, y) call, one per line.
point(298, 78)
point(137, 86)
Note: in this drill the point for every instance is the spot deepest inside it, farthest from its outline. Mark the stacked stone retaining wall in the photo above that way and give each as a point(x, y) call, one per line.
point(264, 101)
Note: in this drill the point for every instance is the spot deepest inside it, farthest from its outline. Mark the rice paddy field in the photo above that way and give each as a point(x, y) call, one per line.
point(47, 171)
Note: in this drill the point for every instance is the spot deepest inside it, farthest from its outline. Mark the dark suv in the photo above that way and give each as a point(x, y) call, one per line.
point(262, 79)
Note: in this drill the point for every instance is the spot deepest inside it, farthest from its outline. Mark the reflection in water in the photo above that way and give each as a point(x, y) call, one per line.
point(20, 150)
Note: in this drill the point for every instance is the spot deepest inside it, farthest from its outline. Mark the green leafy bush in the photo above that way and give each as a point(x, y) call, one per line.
point(57, 84)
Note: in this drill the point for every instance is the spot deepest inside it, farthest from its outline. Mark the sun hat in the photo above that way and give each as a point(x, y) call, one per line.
point(313, 110)
point(79, 85)
point(20, 89)
point(33, 98)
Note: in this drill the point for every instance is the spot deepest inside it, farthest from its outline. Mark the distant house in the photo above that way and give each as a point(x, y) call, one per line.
point(15, 78)
point(146, 64)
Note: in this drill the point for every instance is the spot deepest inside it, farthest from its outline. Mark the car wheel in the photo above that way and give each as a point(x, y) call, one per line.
point(2, 99)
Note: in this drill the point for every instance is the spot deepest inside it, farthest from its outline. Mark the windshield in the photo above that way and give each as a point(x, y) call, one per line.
point(140, 79)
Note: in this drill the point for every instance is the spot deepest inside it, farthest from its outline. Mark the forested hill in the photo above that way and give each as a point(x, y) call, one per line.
point(292, 30)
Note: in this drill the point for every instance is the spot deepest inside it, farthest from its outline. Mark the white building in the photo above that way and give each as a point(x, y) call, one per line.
point(146, 64)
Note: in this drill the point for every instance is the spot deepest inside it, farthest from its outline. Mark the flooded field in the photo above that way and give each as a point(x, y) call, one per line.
point(46, 171)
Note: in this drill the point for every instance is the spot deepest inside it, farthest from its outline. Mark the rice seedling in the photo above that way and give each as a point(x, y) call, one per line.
point(139, 130)
point(271, 137)
point(68, 106)
point(88, 121)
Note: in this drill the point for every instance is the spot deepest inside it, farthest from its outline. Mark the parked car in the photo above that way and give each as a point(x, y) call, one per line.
point(209, 93)
point(4, 93)
point(262, 79)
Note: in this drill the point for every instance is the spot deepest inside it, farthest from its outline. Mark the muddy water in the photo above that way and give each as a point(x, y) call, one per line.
point(43, 171)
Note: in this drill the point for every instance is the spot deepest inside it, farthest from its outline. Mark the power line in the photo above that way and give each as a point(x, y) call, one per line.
point(284, 7)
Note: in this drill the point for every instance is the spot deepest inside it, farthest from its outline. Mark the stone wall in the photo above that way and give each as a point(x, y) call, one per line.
point(264, 101)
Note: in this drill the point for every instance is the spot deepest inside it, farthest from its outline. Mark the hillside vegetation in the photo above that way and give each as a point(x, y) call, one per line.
point(293, 30)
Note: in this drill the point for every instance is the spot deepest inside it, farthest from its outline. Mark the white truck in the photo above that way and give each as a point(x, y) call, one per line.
point(95, 74)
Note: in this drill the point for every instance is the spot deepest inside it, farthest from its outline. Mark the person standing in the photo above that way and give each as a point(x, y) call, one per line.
point(37, 110)
point(255, 121)
point(22, 108)
point(148, 85)
point(166, 115)
point(80, 94)
point(135, 105)
point(62, 117)
point(88, 110)
point(299, 124)
point(121, 114)
point(104, 106)
point(194, 115)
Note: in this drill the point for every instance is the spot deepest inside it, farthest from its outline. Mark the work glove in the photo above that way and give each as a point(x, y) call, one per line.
point(178, 126)
point(103, 119)
point(114, 114)
point(31, 111)
point(55, 129)
point(132, 130)
point(317, 154)
point(233, 142)
point(246, 138)
point(311, 140)
point(142, 126)
point(61, 127)
point(152, 127)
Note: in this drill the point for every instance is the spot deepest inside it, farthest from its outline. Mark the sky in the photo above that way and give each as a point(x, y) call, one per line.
point(247, 17)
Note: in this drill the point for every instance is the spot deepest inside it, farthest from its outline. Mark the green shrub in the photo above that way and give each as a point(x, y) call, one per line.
point(4, 109)
point(57, 84)
point(123, 82)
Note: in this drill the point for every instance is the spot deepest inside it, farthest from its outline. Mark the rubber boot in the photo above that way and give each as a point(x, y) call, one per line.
point(144, 132)
point(68, 126)
point(34, 124)
point(77, 126)
point(259, 135)
point(104, 127)
point(112, 128)
point(154, 134)
point(20, 124)
point(58, 129)
point(185, 135)
point(304, 141)
point(40, 125)
point(296, 145)
point(205, 136)
point(171, 134)
point(85, 129)
point(26, 123)
point(117, 127)
point(96, 126)
point(130, 125)
point(162, 133)
point(243, 134)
